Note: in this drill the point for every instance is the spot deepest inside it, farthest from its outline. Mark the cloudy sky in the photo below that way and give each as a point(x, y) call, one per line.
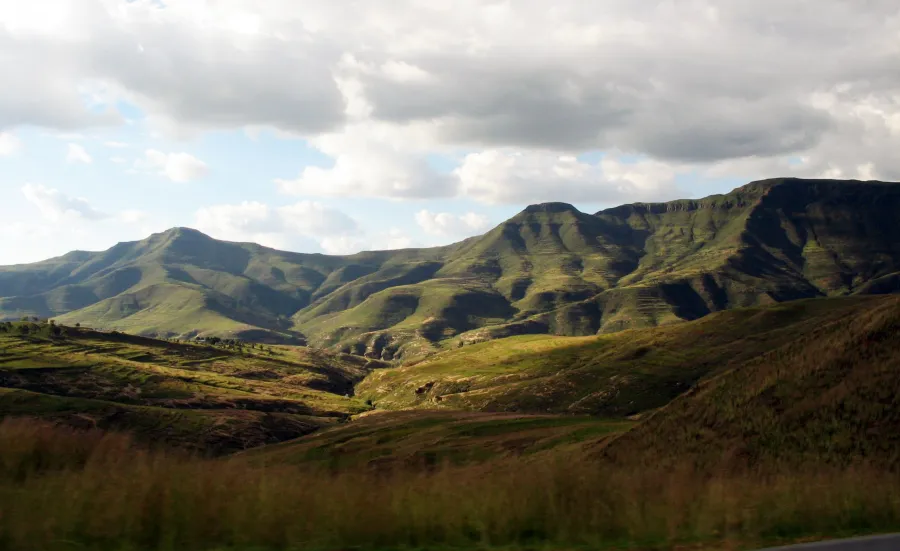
point(335, 126)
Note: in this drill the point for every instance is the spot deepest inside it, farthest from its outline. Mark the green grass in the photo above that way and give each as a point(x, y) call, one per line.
point(828, 395)
point(61, 490)
point(430, 438)
point(201, 397)
point(206, 432)
point(614, 375)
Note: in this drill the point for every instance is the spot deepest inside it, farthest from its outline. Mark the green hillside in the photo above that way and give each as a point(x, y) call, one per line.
point(612, 375)
point(827, 396)
point(208, 398)
point(417, 439)
point(550, 269)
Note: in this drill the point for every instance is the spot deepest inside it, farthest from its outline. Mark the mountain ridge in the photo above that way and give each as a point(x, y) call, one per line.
point(549, 269)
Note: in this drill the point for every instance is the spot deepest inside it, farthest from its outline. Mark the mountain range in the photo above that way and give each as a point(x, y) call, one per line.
point(549, 269)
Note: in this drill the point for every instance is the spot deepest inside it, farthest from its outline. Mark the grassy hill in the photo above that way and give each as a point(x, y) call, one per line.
point(739, 430)
point(416, 439)
point(550, 269)
point(613, 375)
point(207, 398)
point(827, 396)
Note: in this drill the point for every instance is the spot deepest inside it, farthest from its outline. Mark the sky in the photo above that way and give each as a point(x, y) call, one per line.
point(337, 126)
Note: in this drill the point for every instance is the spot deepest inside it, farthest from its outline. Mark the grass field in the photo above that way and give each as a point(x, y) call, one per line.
point(61, 490)
point(615, 375)
point(203, 397)
point(829, 395)
point(430, 439)
point(745, 428)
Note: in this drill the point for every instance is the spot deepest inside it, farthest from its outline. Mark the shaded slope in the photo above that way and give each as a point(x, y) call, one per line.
point(202, 397)
point(828, 395)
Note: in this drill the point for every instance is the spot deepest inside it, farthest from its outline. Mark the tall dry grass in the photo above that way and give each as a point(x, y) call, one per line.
point(63, 489)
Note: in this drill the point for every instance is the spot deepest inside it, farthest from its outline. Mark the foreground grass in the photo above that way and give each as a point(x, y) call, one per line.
point(423, 438)
point(63, 489)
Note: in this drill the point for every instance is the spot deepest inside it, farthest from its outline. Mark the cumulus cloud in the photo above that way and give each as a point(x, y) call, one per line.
point(179, 62)
point(289, 227)
point(56, 206)
point(392, 239)
point(750, 84)
point(496, 177)
point(178, 167)
point(77, 154)
point(133, 216)
point(373, 160)
point(9, 144)
point(445, 224)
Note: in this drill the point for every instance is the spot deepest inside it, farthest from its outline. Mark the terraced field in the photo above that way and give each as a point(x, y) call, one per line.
point(203, 397)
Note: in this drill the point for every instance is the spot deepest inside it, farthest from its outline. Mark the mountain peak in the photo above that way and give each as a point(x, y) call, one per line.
point(551, 207)
point(179, 231)
point(178, 234)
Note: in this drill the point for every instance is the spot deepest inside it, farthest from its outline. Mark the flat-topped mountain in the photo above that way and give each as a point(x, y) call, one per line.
point(548, 269)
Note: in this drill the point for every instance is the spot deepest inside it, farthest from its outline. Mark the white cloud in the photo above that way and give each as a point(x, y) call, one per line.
point(178, 167)
point(312, 218)
point(739, 87)
point(392, 239)
point(133, 216)
point(289, 227)
point(343, 244)
point(9, 144)
point(118, 160)
point(77, 154)
point(446, 224)
point(517, 177)
point(56, 206)
point(372, 160)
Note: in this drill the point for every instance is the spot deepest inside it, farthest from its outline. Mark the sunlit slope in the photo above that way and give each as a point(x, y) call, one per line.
point(613, 375)
point(180, 283)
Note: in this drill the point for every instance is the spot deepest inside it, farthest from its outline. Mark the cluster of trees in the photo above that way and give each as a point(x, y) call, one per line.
point(32, 326)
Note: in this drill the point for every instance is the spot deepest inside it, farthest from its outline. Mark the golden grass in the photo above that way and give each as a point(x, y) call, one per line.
point(63, 489)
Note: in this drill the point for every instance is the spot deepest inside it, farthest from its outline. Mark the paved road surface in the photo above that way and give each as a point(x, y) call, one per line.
point(871, 543)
